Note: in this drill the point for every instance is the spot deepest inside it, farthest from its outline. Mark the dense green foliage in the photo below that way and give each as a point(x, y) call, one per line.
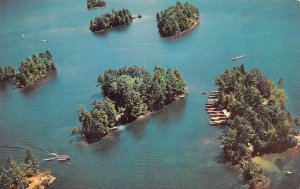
point(34, 69)
point(252, 172)
point(95, 3)
point(110, 20)
point(258, 115)
point(175, 20)
point(13, 174)
point(129, 93)
point(7, 73)
point(259, 121)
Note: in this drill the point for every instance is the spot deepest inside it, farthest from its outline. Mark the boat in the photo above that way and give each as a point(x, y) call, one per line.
point(237, 57)
point(216, 114)
point(63, 157)
point(212, 100)
point(57, 157)
point(114, 128)
point(216, 122)
point(289, 173)
point(203, 93)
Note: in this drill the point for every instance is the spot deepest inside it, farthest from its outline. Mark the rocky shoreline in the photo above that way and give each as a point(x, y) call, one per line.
point(40, 180)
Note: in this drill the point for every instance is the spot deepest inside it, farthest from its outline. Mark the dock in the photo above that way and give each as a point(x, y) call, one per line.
point(217, 117)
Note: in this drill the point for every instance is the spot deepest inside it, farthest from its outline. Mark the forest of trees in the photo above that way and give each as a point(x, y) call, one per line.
point(110, 20)
point(129, 93)
point(175, 20)
point(34, 69)
point(13, 175)
point(259, 122)
point(95, 3)
point(7, 73)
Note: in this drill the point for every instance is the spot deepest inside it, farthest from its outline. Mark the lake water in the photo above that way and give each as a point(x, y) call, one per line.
point(172, 148)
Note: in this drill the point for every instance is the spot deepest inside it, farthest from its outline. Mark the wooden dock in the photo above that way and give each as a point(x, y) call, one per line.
point(217, 117)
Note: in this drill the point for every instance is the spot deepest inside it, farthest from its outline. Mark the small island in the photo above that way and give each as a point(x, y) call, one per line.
point(34, 69)
point(129, 92)
point(95, 3)
point(178, 19)
point(259, 122)
point(111, 20)
point(24, 174)
point(7, 73)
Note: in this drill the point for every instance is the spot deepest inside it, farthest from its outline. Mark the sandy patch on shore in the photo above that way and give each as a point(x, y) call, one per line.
point(40, 181)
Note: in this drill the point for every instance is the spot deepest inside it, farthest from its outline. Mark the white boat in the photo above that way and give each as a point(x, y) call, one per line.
point(57, 157)
point(63, 157)
point(289, 173)
point(237, 57)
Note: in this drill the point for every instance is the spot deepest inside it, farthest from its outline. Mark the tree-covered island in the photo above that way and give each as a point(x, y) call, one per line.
point(129, 92)
point(95, 3)
point(7, 73)
point(259, 122)
point(177, 19)
point(34, 69)
point(24, 174)
point(110, 20)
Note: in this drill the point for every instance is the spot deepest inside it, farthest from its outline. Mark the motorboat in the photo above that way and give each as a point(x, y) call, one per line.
point(237, 57)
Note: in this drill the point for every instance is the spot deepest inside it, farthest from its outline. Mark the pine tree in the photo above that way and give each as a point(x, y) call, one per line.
point(31, 162)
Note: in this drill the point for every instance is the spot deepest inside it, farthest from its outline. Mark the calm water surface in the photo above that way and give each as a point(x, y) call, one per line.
point(173, 148)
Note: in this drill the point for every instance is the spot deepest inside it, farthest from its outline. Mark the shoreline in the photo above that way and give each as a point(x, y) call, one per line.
point(111, 28)
point(179, 97)
point(267, 162)
point(40, 180)
point(50, 75)
point(117, 127)
point(185, 31)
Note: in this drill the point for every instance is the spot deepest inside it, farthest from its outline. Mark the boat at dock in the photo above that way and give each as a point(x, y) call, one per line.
point(216, 122)
point(210, 109)
point(215, 114)
point(217, 117)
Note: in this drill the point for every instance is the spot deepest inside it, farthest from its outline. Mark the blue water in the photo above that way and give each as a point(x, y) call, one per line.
point(168, 149)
